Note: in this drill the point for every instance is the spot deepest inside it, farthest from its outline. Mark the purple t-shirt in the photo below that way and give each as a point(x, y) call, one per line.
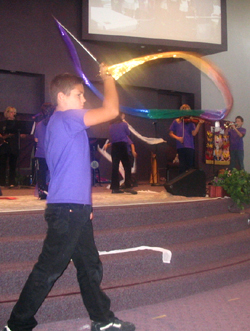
point(119, 132)
point(177, 129)
point(40, 135)
point(68, 158)
point(236, 142)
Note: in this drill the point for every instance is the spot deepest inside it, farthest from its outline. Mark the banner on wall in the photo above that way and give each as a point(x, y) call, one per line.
point(217, 147)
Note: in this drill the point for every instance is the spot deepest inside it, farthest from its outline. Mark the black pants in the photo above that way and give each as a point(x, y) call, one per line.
point(120, 153)
point(42, 169)
point(4, 158)
point(69, 236)
point(237, 159)
point(186, 159)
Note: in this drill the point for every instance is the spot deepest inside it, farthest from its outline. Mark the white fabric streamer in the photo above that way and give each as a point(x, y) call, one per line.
point(166, 254)
point(150, 141)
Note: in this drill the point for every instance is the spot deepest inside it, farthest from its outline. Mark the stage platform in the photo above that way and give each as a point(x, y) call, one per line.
point(209, 246)
point(25, 198)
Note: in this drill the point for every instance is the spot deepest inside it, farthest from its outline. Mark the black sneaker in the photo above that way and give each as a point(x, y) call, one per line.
point(130, 191)
point(114, 325)
point(117, 191)
point(42, 196)
point(6, 328)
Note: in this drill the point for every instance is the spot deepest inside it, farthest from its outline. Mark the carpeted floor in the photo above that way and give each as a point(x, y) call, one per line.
point(224, 309)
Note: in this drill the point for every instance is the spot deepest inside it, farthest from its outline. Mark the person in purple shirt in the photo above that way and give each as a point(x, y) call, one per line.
point(69, 209)
point(236, 135)
point(184, 134)
point(41, 165)
point(120, 142)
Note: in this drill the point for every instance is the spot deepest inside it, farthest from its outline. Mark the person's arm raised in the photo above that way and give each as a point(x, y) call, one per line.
point(110, 105)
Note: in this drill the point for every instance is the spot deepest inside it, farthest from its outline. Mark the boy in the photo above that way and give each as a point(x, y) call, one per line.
point(184, 134)
point(236, 135)
point(119, 138)
point(69, 211)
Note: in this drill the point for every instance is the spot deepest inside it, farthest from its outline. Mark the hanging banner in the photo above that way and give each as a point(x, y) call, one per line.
point(217, 148)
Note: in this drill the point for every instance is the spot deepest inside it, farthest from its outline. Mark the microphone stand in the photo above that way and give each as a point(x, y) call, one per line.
point(18, 156)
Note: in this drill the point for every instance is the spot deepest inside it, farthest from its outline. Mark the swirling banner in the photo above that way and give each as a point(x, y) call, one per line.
point(118, 70)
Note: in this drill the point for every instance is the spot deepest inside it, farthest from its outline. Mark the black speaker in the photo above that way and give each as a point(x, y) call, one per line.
point(191, 183)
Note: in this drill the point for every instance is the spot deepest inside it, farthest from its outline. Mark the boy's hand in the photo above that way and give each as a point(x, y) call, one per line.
point(104, 72)
point(105, 146)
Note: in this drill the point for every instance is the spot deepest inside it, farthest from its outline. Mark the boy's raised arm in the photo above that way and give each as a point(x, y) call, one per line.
point(110, 106)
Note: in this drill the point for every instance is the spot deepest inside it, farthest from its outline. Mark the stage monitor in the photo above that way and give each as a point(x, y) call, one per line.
point(186, 24)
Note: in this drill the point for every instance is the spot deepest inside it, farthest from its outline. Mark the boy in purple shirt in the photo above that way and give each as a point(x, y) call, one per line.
point(184, 134)
point(236, 135)
point(119, 137)
point(69, 211)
